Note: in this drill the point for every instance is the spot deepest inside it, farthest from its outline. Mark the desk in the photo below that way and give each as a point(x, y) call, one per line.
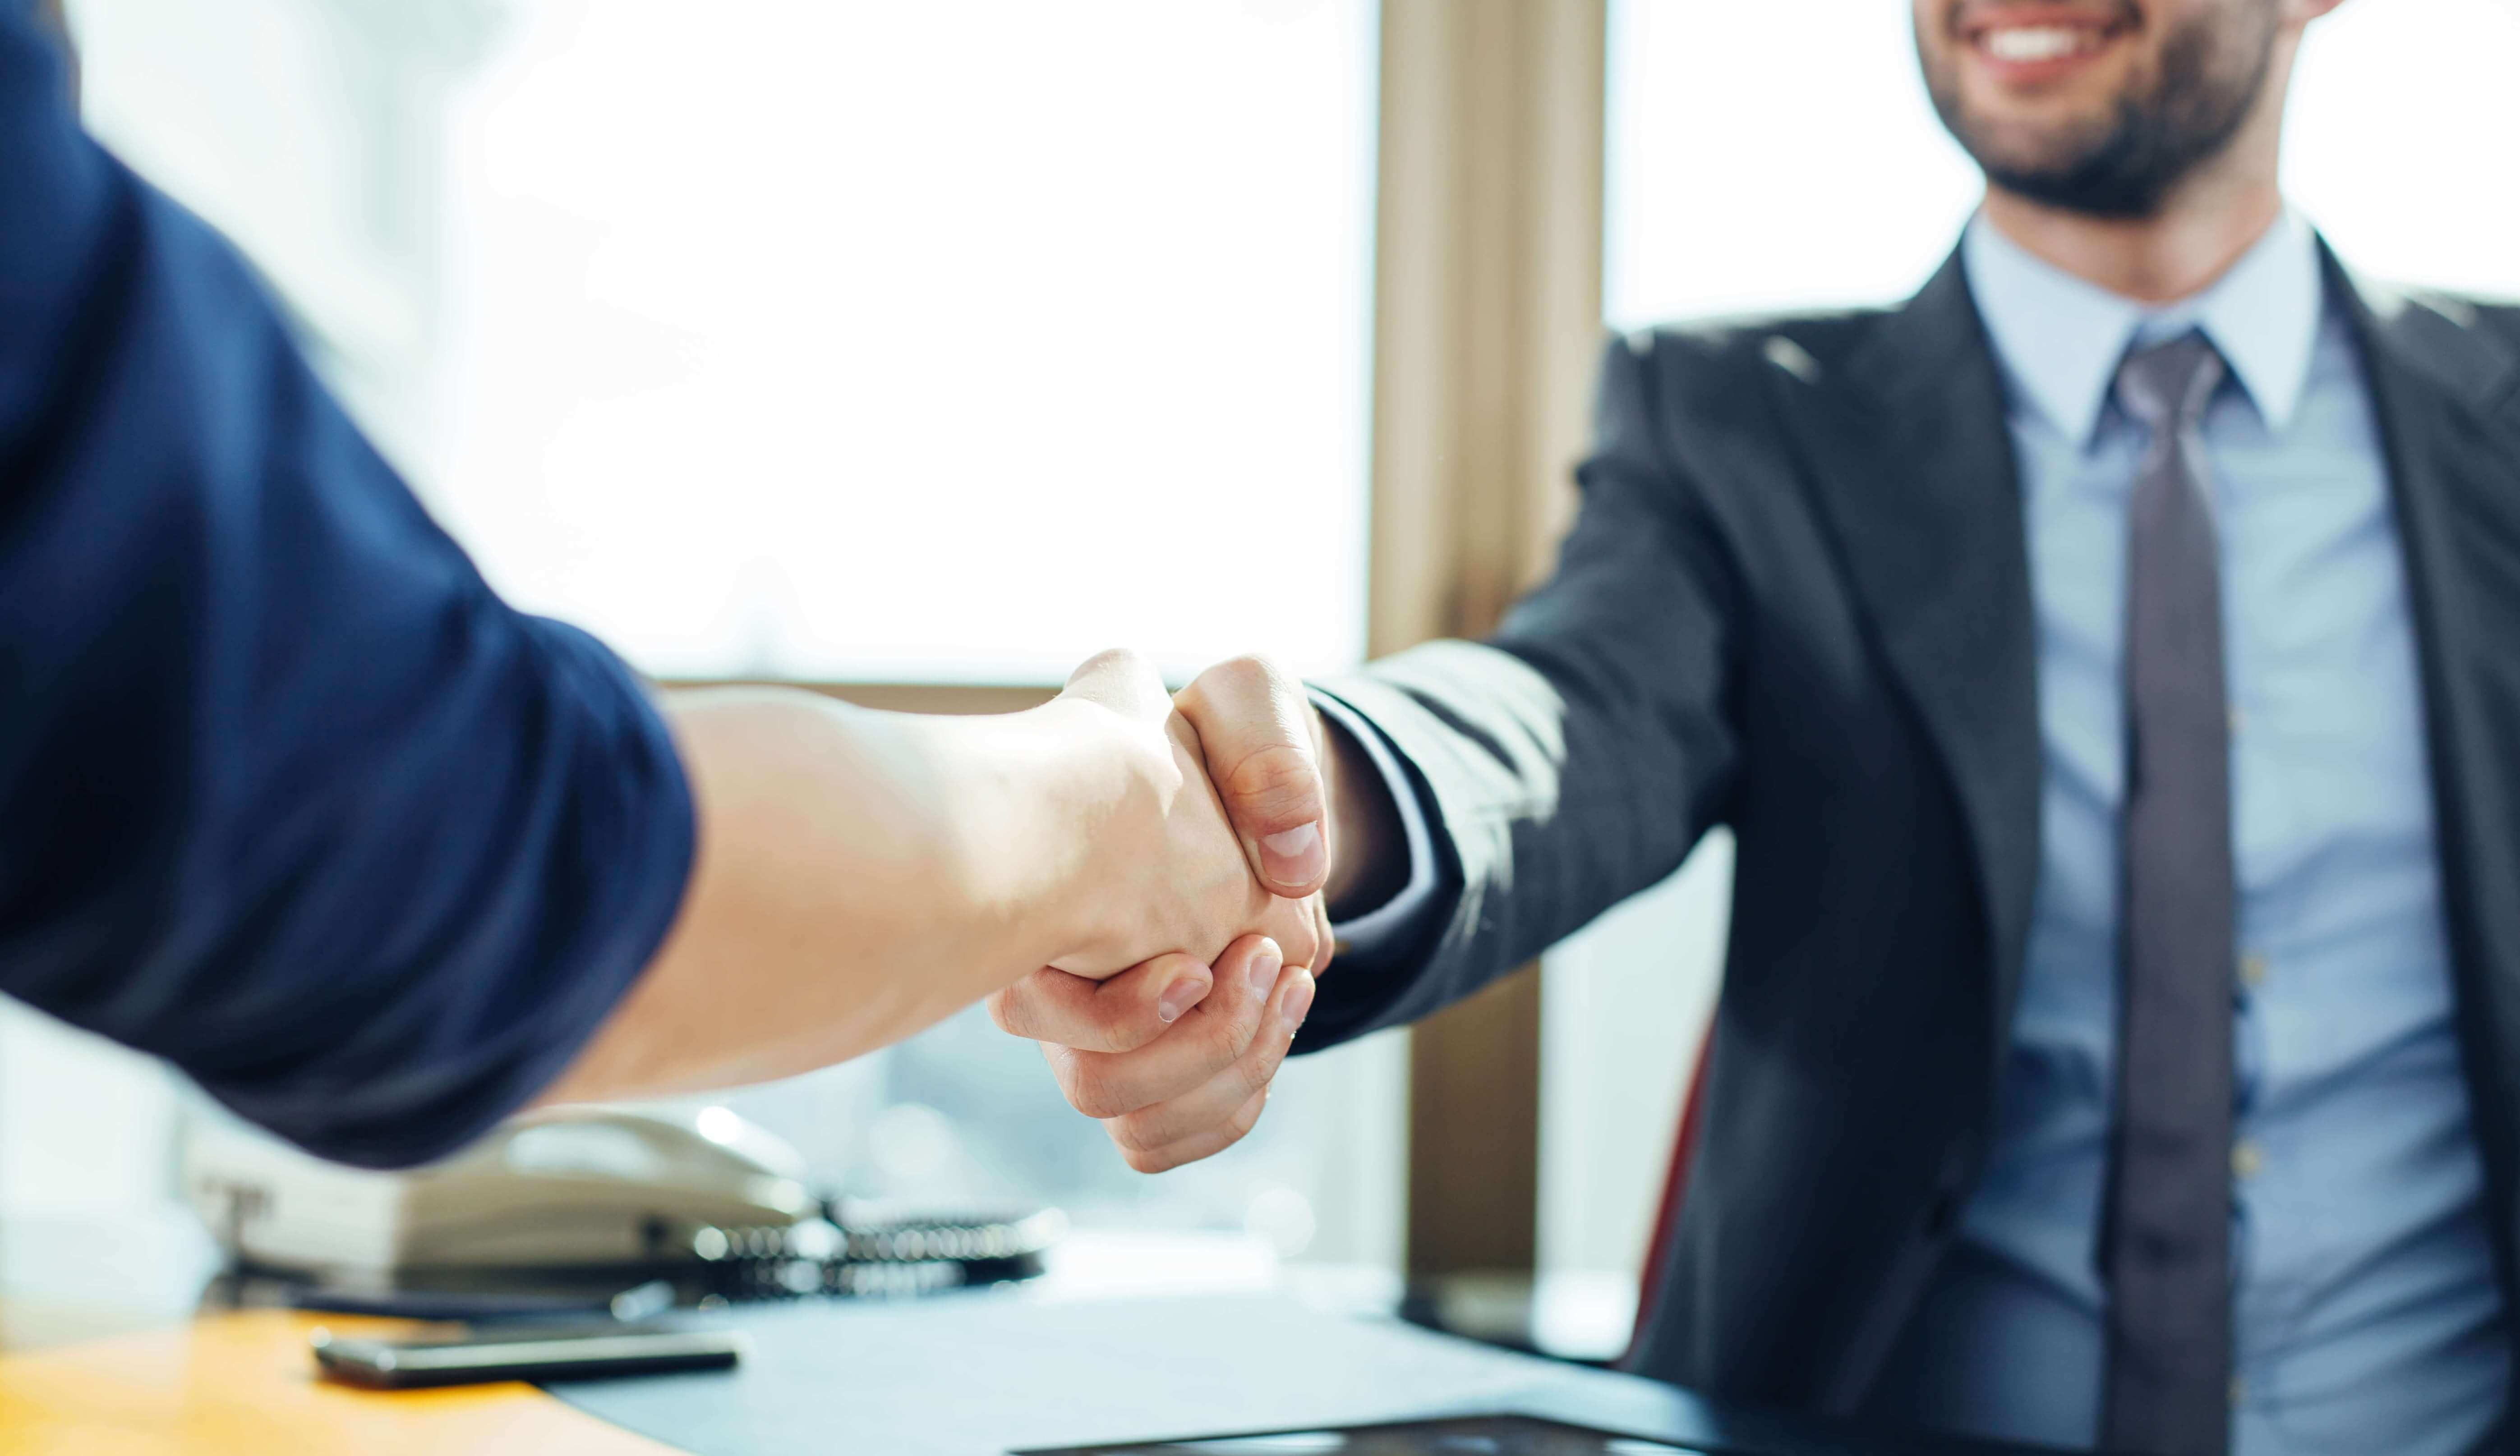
point(104, 1351)
point(241, 1384)
point(952, 1376)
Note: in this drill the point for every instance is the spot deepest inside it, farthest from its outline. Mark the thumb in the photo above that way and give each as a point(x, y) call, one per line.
point(1256, 728)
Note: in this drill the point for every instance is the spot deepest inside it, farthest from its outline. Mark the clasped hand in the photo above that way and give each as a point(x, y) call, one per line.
point(1175, 1055)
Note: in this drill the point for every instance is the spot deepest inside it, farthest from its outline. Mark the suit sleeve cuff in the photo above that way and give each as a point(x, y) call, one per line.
point(1396, 920)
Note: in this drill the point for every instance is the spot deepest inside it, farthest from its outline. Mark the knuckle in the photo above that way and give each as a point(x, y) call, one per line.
point(1233, 685)
point(1124, 1036)
point(1087, 1039)
point(1253, 1074)
point(1098, 1104)
point(1293, 924)
point(1134, 1135)
point(1066, 1021)
point(1147, 1161)
point(1120, 677)
point(1230, 1036)
point(1247, 669)
point(1247, 1116)
point(1108, 660)
point(1275, 788)
point(1104, 1103)
point(1126, 1012)
point(1008, 1010)
point(1095, 1093)
point(1116, 659)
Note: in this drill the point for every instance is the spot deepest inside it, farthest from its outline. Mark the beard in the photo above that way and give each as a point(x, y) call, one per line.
point(2213, 69)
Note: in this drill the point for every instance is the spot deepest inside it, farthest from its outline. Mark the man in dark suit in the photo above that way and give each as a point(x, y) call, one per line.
point(2104, 662)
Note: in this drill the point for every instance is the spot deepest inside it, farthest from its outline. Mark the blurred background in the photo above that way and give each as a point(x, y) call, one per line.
point(916, 352)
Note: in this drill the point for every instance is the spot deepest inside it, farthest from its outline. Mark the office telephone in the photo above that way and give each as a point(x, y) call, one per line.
point(590, 1197)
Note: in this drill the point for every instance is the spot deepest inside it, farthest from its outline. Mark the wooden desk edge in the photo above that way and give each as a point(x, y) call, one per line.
point(230, 1383)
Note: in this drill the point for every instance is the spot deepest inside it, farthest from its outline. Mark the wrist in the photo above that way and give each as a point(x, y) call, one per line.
point(1366, 865)
point(1098, 793)
point(1032, 792)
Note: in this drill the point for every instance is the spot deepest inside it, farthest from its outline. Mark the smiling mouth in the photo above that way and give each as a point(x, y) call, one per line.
point(2042, 40)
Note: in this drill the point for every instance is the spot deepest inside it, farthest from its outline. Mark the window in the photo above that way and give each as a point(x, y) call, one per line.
point(849, 341)
point(1742, 180)
point(852, 341)
point(904, 342)
point(2401, 123)
point(1769, 157)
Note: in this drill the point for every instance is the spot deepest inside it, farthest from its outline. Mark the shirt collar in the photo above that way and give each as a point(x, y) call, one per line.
point(2060, 338)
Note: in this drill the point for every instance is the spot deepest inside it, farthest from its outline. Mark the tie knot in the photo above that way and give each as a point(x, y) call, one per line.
point(2167, 385)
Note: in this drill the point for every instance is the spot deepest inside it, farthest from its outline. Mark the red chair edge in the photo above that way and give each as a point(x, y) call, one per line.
point(1675, 1187)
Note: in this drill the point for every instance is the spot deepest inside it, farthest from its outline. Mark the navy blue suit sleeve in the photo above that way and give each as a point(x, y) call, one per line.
point(287, 795)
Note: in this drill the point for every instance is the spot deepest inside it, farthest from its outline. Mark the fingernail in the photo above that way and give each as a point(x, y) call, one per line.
point(1264, 973)
point(1299, 1000)
point(1186, 992)
point(1295, 856)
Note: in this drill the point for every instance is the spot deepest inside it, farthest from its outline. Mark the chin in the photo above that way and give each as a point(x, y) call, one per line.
point(2050, 139)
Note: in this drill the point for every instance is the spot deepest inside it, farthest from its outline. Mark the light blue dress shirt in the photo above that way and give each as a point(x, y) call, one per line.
point(2365, 1315)
point(2365, 1311)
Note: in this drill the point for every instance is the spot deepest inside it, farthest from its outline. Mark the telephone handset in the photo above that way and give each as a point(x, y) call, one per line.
point(592, 1194)
point(599, 1185)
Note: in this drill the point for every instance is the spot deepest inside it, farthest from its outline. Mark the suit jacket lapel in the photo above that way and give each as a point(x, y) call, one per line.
point(1913, 468)
point(2447, 398)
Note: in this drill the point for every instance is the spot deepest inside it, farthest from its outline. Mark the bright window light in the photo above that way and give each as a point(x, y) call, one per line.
point(1766, 156)
point(938, 342)
point(2404, 138)
point(904, 339)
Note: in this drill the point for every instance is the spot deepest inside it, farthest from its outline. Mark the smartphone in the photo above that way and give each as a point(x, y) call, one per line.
point(518, 1355)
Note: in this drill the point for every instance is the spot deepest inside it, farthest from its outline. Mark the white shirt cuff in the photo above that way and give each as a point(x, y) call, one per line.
point(1390, 922)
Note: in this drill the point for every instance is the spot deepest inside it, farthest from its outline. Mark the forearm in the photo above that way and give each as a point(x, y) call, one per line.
point(859, 876)
point(1549, 798)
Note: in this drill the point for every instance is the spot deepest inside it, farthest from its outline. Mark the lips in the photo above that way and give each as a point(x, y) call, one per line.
point(2027, 43)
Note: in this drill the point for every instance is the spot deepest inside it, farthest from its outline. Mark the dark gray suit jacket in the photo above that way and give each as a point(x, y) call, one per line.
point(1797, 601)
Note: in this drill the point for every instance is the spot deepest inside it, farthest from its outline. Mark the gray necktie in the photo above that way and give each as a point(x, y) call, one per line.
point(2165, 1245)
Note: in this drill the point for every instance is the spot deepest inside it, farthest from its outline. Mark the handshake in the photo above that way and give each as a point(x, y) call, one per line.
point(1212, 884)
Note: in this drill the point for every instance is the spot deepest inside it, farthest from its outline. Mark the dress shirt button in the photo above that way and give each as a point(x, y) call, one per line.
point(2253, 970)
point(2248, 1160)
point(2239, 720)
point(2239, 1393)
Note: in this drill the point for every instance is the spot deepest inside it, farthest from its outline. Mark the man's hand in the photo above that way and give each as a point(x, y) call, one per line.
point(1174, 876)
point(1168, 1090)
point(1312, 811)
point(1174, 1087)
point(867, 874)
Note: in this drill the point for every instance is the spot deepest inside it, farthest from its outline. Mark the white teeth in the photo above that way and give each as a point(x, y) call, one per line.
point(2036, 42)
